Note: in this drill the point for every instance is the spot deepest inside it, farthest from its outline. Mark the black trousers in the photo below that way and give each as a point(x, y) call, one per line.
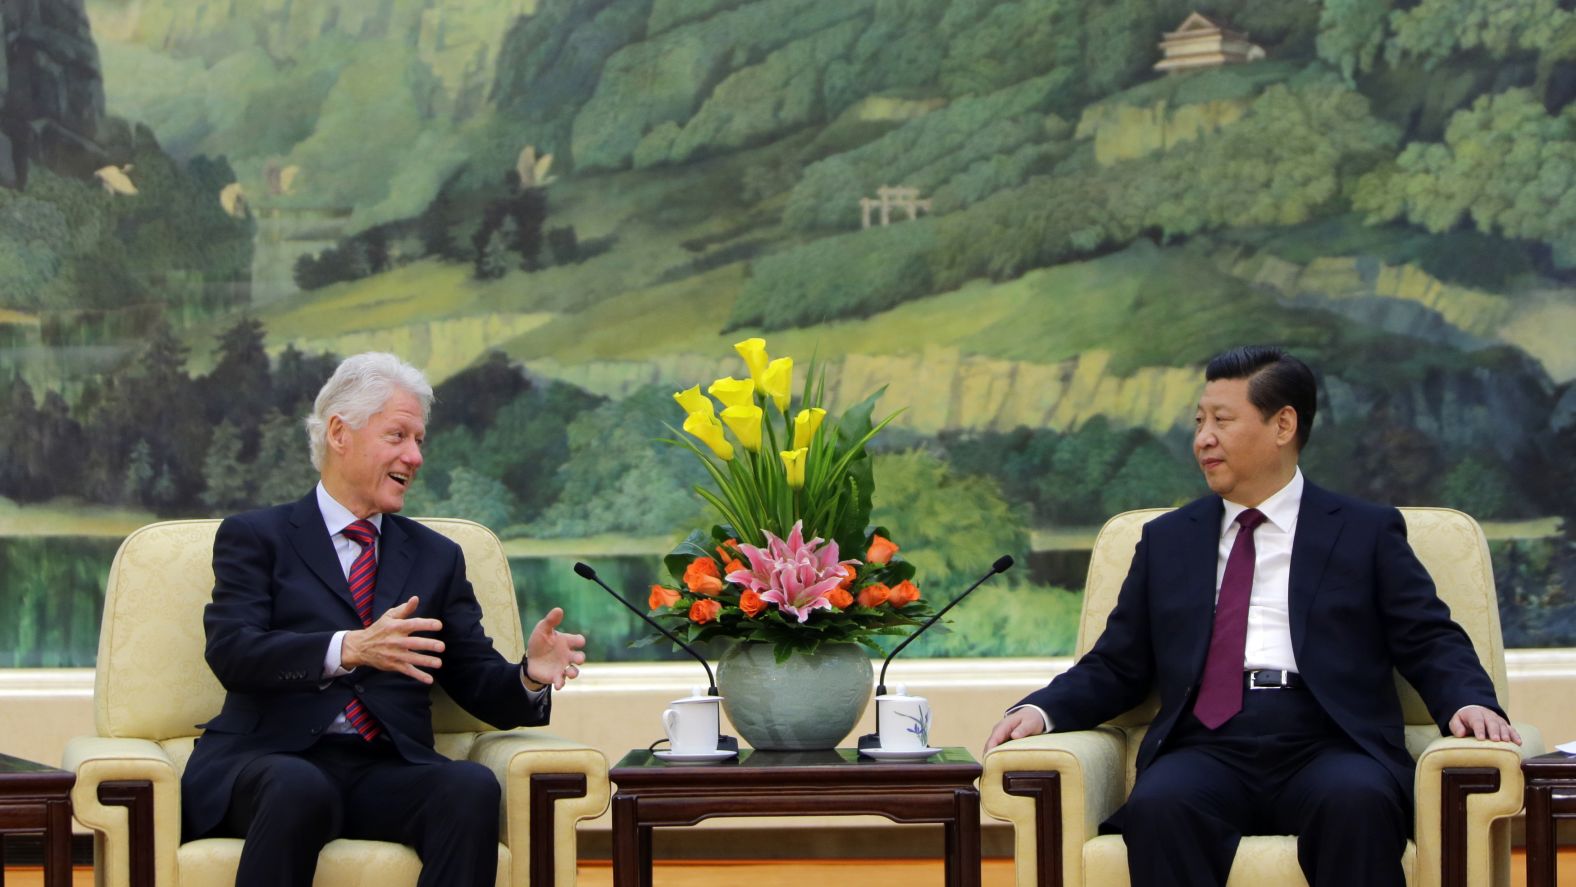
point(1279, 767)
point(287, 806)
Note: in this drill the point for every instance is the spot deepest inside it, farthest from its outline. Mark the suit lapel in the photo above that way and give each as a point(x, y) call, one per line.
point(309, 536)
point(1319, 523)
point(395, 552)
point(1200, 551)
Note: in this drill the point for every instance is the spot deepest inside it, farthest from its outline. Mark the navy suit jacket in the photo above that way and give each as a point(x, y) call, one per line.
point(1361, 604)
point(279, 595)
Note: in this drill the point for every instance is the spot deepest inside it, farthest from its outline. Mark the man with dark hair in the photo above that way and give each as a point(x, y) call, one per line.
point(1268, 617)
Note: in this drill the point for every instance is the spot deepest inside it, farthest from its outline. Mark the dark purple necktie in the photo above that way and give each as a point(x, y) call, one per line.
point(363, 579)
point(1220, 690)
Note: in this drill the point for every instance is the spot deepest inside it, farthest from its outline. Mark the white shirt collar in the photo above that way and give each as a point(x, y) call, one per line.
point(337, 517)
point(1279, 509)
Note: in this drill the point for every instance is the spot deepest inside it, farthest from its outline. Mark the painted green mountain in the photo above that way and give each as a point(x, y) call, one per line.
point(1389, 192)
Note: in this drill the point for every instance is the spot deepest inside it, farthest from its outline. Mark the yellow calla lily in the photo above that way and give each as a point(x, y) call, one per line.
point(805, 425)
point(777, 382)
point(692, 401)
point(745, 423)
point(754, 353)
point(793, 461)
point(708, 431)
point(733, 392)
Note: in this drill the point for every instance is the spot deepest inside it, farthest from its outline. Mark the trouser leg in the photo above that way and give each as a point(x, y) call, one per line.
point(1351, 820)
point(448, 812)
point(287, 809)
point(1183, 820)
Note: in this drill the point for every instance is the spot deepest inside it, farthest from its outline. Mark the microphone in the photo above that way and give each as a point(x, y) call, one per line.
point(873, 740)
point(585, 572)
point(1002, 565)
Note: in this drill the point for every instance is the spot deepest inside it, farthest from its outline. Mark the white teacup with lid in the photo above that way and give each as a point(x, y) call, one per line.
point(903, 721)
point(693, 723)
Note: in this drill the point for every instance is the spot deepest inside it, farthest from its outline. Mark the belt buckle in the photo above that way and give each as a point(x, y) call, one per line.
point(1280, 684)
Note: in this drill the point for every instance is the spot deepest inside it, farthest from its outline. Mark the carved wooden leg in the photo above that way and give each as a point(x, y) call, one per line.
point(136, 795)
point(546, 790)
point(1046, 791)
point(1457, 784)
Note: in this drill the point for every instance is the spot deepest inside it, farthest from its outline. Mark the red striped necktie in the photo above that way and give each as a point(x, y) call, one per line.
point(363, 579)
point(1220, 690)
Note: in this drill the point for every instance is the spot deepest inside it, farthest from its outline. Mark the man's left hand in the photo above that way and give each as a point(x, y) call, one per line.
point(1483, 723)
point(553, 656)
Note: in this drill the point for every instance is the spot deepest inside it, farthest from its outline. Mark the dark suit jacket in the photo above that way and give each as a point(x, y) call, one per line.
point(1361, 604)
point(279, 595)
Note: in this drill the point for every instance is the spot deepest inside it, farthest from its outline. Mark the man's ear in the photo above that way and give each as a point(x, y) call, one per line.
point(335, 436)
point(1285, 425)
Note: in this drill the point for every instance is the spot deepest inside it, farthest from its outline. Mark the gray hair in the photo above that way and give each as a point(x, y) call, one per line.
point(360, 386)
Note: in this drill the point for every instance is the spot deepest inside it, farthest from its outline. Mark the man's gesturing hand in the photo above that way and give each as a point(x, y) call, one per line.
point(389, 645)
point(553, 656)
point(1482, 723)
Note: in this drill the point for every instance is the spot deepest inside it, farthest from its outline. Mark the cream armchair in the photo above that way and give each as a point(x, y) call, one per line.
point(1057, 788)
point(152, 686)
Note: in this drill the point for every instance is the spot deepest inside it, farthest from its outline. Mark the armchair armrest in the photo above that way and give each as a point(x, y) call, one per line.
point(1055, 789)
point(128, 792)
point(549, 785)
point(1466, 792)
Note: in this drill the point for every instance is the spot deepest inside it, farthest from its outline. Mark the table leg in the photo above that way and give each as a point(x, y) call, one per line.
point(57, 845)
point(1542, 854)
point(963, 840)
point(645, 855)
point(626, 843)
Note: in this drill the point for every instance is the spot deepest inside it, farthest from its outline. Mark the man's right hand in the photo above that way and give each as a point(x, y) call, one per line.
point(1025, 721)
point(388, 644)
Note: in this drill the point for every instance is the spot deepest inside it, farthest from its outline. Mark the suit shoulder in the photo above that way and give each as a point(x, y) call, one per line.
point(1351, 506)
point(261, 518)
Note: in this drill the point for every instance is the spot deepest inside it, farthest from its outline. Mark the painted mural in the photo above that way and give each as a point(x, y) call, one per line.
point(1031, 220)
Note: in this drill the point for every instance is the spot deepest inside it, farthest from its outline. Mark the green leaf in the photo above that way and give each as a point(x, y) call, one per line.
point(678, 560)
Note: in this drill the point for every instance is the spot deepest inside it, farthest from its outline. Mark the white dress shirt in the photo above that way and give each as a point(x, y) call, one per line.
point(1269, 612)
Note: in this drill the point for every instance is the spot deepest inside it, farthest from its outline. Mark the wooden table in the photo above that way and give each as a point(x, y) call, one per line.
point(939, 789)
point(1550, 796)
point(35, 799)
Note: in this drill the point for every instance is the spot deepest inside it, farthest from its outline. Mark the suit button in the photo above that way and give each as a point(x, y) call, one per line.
point(315, 730)
point(360, 689)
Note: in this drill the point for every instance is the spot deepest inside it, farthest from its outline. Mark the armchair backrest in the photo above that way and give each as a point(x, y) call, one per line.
point(151, 680)
point(1450, 544)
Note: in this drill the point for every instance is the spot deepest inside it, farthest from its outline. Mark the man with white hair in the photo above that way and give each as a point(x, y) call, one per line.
point(330, 617)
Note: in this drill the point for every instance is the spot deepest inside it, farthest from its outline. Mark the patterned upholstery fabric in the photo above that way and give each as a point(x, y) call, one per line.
point(1097, 767)
point(152, 687)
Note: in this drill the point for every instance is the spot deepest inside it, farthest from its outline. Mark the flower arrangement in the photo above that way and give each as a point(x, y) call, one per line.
point(791, 486)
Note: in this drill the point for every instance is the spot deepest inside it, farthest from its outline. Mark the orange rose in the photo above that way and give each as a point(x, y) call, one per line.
point(904, 594)
point(841, 599)
point(662, 597)
point(728, 550)
point(703, 611)
point(732, 566)
point(751, 604)
point(874, 595)
point(848, 577)
point(881, 550)
point(701, 576)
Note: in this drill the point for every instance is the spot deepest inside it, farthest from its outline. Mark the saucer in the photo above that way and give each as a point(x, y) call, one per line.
point(695, 757)
point(899, 754)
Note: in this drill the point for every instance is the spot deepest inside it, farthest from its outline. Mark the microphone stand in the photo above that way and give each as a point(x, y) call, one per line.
point(585, 572)
point(724, 743)
point(873, 740)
